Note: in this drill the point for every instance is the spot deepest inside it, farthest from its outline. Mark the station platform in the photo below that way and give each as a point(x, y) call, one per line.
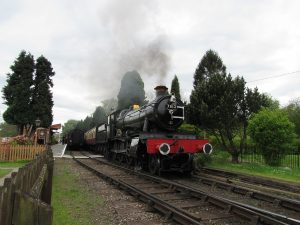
point(58, 150)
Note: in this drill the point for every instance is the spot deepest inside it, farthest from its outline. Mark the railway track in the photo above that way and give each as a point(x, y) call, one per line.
point(276, 200)
point(179, 202)
point(265, 182)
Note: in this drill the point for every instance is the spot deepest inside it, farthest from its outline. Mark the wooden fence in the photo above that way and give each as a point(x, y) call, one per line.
point(25, 197)
point(20, 152)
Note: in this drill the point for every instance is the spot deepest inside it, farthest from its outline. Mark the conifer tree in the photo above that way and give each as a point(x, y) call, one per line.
point(18, 92)
point(175, 88)
point(42, 99)
point(131, 91)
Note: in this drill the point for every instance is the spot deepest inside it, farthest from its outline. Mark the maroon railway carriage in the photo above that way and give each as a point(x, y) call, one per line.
point(148, 136)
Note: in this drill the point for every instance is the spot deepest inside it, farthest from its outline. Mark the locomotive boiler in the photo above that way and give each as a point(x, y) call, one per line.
point(148, 136)
point(165, 112)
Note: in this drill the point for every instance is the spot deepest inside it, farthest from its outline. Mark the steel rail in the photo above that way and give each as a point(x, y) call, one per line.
point(253, 214)
point(276, 200)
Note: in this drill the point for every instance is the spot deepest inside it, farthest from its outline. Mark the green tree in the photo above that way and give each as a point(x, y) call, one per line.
point(272, 132)
point(270, 102)
point(18, 92)
point(253, 102)
point(293, 112)
point(175, 88)
point(99, 116)
point(42, 102)
point(221, 104)
point(131, 91)
point(8, 130)
point(69, 126)
point(209, 65)
point(86, 124)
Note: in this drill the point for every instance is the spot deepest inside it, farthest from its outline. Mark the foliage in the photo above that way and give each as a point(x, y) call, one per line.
point(42, 102)
point(29, 97)
point(221, 104)
point(210, 64)
point(202, 160)
point(8, 130)
point(175, 88)
point(85, 124)
point(293, 111)
point(99, 116)
point(131, 91)
point(18, 92)
point(68, 126)
point(216, 100)
point(20, 140)
point(270, 102)
point(54, 138)
point(272, 131)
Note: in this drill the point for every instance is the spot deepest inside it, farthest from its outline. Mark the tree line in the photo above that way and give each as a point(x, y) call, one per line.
point(28, 94)
point(227, 109)
point(131, 92)
point(220, 104)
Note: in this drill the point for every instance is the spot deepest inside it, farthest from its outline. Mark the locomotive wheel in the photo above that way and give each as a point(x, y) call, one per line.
point(154, 164)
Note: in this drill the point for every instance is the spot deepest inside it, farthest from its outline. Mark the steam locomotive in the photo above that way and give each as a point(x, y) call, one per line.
point(148, 136)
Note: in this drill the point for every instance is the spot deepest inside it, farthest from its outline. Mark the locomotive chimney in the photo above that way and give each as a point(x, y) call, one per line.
point(161, 90)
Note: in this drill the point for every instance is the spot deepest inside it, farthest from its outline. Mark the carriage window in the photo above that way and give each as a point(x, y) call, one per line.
point(101, 128)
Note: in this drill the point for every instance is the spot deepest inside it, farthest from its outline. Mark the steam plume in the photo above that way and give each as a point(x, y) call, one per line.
point(136, 43)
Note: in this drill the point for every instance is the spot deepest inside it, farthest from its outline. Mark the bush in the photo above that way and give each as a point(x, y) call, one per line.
point(273, 133)
point(202, 160)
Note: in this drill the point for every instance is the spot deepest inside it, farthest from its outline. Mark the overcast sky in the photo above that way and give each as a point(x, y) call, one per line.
point(92, 43)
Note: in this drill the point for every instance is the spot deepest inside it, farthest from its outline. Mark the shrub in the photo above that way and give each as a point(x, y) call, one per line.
point(273, 133)
point(202, 160)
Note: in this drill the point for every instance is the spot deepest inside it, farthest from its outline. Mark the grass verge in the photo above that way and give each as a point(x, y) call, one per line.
point(4, 172)
point(221, 160)
point(73, 204)
point(14, 164)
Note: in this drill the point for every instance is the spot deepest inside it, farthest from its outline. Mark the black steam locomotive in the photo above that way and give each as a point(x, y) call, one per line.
point(147, 136)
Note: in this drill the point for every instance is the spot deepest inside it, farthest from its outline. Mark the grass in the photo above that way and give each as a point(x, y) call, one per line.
point(72, 203)
point(4, 172)
point(14, 164)
point(286, 161)
point(221, 160)
point(6, 167)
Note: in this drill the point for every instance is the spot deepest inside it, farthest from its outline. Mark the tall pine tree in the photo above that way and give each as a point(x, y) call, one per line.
point(211, 64)
point(18, 92)
point(175, 88)
point(131, 91)
point(221, 104)
point(42, 98)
